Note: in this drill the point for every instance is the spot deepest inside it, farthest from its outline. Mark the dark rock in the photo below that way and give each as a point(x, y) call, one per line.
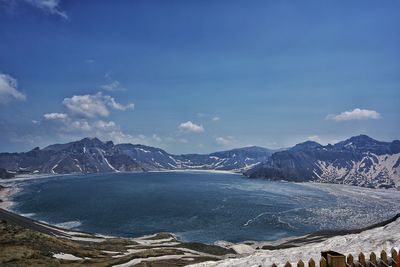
point(355, 161)
point(4, 174)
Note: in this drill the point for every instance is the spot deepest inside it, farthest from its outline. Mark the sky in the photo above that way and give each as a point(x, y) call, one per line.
point(198, 76)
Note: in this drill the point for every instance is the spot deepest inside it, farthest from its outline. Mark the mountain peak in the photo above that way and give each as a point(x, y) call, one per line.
point(307, 145)
point(358, 141)
point(362, 137)
point(93, 142)
point(90, 139)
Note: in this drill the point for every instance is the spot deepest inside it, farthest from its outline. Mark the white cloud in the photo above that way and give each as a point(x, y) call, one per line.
point(110, 101)
point(120, 137)
point(112, 86)
point(216, 118)
point(105, 130)
point(78, 125)
point(314, 138)
point(105, 125)
point(225, 141)
point(9, 89)
point(55, 116)
point(97, 127)
point(190, 127)
point(356, 114)
point(156, 138)
point(94, 105)
point(49, 6)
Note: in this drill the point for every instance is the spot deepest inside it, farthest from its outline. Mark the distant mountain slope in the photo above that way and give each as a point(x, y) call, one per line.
point(359, 160)
point(235, 159)
point(91, 155)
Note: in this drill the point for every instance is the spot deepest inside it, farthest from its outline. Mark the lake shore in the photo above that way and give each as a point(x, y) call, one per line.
point(6, 193)
point(10, 187)
point(66, 246)
point(27, 242)
point(13, 186)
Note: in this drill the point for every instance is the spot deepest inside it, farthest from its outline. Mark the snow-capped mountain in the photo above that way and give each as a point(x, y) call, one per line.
point(231, 160)
point(91, 155)
point(359, 160)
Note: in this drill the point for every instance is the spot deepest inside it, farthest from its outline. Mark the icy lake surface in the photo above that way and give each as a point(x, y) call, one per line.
point(201, 206)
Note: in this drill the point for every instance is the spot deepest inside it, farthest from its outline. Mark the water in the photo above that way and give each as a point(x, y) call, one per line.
point(200, 206)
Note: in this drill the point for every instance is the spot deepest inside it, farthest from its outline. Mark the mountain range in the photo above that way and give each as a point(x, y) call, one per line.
point(359, 160)
point(90, 155)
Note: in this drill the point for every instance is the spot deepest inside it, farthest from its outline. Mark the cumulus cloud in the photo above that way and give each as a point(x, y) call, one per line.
point(105, 125)
point(119, 136)
point(9, 89)
point(112, 86)
point(49, 6)
point(190, 127)
point(216, 118)
point(78, 125)
point(356, 114)
point(94, 105)
point(225, 141)
point(55, 116)
point(75, 128)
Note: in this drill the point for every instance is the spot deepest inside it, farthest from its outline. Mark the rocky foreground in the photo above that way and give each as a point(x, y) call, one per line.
point(26, 242)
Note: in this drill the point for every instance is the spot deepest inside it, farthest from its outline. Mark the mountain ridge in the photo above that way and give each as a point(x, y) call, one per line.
point(93, 155)
point(359, 160)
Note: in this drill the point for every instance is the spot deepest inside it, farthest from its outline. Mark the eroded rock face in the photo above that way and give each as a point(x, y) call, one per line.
point(360, 161)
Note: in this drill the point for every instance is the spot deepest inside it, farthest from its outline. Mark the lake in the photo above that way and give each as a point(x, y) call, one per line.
point(200, 206)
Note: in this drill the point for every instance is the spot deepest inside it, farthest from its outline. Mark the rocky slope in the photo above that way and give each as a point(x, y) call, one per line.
point(360, 161)
point(26, 242)
point(91, 155)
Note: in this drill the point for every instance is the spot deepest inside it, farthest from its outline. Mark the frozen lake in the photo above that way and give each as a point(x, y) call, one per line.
point(201, 206)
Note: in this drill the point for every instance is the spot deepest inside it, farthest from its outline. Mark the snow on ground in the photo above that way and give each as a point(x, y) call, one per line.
point(146, 242)
point(242, 249)
point(69, 224)
point(6, 196)
point(149, 259)
point(66, 256)
point(374, 240)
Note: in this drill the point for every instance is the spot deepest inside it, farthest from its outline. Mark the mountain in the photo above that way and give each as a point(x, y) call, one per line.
point(359, 160)
point(230, 160)
point(91, 155)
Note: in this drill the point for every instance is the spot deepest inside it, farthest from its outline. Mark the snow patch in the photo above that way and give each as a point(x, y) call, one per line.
point(66, 256)
point(374, 240)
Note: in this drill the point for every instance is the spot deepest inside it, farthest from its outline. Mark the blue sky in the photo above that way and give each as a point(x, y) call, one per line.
point(198, 76)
